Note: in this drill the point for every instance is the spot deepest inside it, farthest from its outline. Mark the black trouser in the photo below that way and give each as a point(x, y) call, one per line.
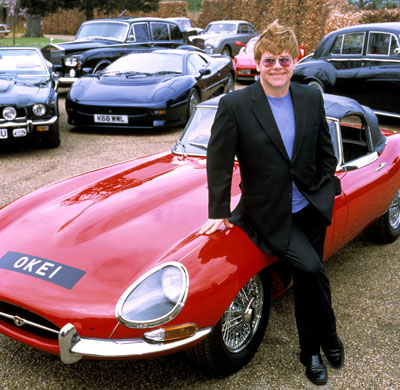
point(312, 296)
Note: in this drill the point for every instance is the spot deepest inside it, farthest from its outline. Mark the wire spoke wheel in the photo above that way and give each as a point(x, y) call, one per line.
point(394, 212)
point(241, 319)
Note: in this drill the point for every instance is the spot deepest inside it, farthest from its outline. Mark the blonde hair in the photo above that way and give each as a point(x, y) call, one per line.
point(276, 39)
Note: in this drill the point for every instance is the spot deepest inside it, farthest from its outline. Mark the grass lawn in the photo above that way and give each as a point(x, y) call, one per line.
point(21, 41)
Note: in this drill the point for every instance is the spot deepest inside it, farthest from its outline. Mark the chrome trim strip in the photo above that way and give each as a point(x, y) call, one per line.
point(73, 347)
point(20, 322)
point(30, 123)
point(67, 80)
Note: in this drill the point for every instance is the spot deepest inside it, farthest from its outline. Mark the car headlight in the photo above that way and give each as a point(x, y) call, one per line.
point(39, 109)
point(71, 61)
point(156, 298)
point(9, 113)
point(211, 43)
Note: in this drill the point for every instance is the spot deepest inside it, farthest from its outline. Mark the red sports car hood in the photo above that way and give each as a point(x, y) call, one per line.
point(106, 228)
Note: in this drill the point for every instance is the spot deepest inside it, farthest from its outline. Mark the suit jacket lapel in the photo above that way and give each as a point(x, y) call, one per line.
point(263, 113)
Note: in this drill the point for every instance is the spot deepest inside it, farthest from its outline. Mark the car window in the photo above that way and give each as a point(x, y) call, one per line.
point(379, 43)
point(243, 28)
point(195, 62)
point(394, 46)
point(139, 32)
point(355, 139)
point(175, 33)
point(21, 62)
point(221, 28)
point(159, 31)
point(113, 30)
point(349, 44)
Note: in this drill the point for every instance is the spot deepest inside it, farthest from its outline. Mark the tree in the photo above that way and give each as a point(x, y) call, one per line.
point(36, 9)
point(114, 5)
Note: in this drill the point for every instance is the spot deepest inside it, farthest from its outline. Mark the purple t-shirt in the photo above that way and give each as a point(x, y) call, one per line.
point(282, 108)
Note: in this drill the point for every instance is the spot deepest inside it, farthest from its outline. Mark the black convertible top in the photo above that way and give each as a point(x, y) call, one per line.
point(339, 107)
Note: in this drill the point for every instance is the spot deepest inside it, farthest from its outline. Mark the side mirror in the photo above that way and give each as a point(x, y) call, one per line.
point(397, 51)
point(203, 72)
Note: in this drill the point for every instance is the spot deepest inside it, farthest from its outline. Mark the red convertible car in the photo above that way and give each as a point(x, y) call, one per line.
point(245, 65)
point(110, 264)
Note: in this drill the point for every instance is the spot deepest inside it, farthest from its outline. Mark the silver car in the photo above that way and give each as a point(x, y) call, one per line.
point(219, 37)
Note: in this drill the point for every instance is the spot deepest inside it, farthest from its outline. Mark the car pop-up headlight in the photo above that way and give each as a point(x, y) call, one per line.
point(156, 298)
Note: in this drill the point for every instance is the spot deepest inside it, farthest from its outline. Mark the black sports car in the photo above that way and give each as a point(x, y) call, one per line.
point(361, 62)
point(147, 90)
point(28, 100)
point(100, 42)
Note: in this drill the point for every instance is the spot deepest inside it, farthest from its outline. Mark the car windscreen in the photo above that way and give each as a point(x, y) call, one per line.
point(147, 63)
point(22, 62)
point(221, 28)
point(195, 137)
point(110, 30)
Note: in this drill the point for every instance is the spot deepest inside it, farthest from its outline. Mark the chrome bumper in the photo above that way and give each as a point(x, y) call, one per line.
point(73, 347)
point(67, 80)
point(29, 123)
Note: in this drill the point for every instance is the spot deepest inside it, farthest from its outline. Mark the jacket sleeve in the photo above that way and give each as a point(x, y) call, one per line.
point(220, 159)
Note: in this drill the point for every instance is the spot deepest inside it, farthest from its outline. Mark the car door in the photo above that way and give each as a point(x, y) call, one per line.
point(346, 55)
point(364, 179)
point(208, 83)
point(165, 34)
point(244, 33)
point(379, 76)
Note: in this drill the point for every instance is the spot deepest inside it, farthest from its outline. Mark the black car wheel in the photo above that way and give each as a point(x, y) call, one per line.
point(226, 51)
point(51, 138)
point(316, 84)
point(387, 228)
point(237, 336)
point(230, 85)
point(193, 101)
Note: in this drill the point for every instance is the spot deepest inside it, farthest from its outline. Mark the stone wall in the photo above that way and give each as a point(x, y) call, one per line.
point(311, 19)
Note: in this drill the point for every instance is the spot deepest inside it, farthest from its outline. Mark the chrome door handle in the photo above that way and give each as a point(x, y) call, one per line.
point(381, 165)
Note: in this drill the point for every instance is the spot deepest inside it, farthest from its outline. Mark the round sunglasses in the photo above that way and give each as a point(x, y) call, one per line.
point(268, 62)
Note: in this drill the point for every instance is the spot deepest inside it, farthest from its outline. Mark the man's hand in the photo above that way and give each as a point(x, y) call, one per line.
point(213, 224)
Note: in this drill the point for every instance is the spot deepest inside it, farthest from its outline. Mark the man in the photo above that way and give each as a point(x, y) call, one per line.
point(280, 136)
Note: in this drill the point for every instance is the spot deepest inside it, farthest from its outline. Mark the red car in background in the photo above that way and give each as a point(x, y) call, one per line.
point(245, 66)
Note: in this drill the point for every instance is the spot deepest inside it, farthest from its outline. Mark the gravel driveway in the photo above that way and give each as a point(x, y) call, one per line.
point(365, 281)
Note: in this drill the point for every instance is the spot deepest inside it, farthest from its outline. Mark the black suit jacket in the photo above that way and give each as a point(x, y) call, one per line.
point(245, 127)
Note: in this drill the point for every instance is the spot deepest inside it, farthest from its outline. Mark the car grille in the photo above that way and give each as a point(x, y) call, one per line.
point(18, 318)
point(53, 55)
point(198, 42)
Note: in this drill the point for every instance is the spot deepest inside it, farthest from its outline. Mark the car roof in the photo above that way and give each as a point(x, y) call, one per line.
point(336, 107)
point(228, 21)
point(129, 20)
point(386, 26)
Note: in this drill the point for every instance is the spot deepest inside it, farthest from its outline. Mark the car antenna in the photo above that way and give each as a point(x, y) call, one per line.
point(122, 13)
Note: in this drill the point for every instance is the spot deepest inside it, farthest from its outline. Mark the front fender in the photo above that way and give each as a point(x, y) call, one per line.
point(318, 70)
point(218, 270)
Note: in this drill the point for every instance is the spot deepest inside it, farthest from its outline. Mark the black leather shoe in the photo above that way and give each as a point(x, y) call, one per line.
point(334, 351)
point(315, 368)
